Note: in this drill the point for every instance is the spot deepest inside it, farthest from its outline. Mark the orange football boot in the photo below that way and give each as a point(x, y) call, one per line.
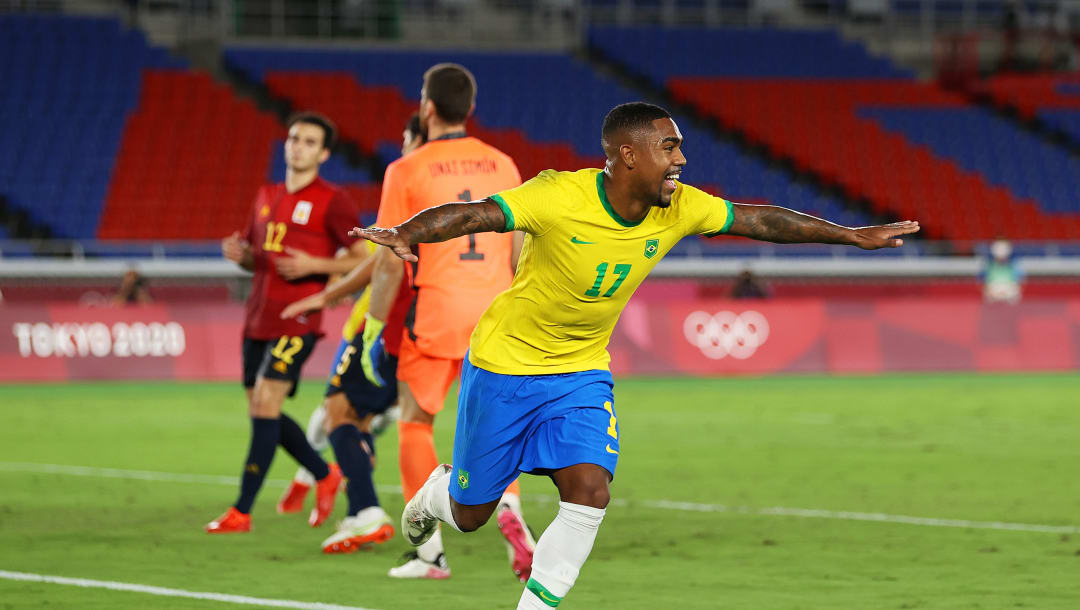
point(325, 493)
point(293, 500)
point(232, 521)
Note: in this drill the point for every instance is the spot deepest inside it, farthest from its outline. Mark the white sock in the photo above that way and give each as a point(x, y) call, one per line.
point(316, 435)
point(369, 514)
point(559, 555)
point(316, 432)
point(304, 477)
point(436, 499)
point(429, 551)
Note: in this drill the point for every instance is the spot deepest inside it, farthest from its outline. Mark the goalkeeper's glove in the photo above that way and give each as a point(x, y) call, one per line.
point(373, 351)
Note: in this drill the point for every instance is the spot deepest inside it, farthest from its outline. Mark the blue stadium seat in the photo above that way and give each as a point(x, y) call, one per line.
point(1067, 121)
point(552, 98)
point(1006, 155)
point(69, 84)
point(736, 52)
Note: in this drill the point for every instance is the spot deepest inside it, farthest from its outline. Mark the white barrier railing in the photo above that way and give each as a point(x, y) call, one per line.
point(901, 267)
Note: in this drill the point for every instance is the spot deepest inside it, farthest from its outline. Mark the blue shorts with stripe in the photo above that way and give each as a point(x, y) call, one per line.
point(347, 376)
point(508, 424)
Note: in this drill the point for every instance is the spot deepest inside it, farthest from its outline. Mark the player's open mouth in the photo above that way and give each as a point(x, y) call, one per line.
point(669, 180)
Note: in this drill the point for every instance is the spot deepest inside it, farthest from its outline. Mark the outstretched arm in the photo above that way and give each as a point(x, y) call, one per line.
point(781, 225)
point(439, 223)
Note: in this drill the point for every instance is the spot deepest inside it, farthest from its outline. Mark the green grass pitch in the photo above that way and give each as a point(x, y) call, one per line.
point(948, 447)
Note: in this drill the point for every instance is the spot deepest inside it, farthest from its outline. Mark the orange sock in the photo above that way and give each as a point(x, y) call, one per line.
point(514, 488)
point(416, 455)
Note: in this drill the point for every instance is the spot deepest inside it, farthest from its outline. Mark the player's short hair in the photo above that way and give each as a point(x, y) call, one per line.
point(631, 116)
point(453, 90)
point(314, 118)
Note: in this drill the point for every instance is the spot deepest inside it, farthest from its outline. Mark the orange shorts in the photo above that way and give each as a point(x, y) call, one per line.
point(429, 378)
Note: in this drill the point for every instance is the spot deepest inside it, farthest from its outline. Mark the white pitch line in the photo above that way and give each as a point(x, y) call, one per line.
point(163, 591)
point(149, 475)
point(806, 513)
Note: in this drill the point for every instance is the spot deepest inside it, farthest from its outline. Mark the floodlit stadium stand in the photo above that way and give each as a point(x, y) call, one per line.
point(858, 123)
point(1053, 98)
point(123, 141)
point(69, 84)
point(543, 110)
point(192, 158)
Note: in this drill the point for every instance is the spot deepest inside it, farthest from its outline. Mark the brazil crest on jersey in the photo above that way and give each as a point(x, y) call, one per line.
point(579, 265)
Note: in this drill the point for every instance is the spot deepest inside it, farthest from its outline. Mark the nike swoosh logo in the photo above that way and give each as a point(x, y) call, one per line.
point(575, 240)
point(544, 597)
point(610, 450)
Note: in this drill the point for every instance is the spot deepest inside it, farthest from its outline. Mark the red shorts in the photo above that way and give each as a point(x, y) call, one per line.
point(429, 378)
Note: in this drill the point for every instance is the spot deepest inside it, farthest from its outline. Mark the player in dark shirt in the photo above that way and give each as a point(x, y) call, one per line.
point(290, 242)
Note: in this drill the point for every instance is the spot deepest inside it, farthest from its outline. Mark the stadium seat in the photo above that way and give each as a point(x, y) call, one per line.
point(543, 110)
point(1053, 98)
point(70, 83)
point(184, 174)
point(912, 150)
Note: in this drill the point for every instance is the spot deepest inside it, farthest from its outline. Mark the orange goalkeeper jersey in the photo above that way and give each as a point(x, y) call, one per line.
point(454, 281)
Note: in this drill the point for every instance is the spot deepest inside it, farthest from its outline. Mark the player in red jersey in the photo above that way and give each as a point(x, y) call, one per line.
point(346, 418)
point(295, 229)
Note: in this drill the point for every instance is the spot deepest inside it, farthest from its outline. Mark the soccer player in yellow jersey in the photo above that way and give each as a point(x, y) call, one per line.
point(536, 393)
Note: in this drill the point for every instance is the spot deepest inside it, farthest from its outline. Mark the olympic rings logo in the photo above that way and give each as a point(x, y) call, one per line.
point(726, 333)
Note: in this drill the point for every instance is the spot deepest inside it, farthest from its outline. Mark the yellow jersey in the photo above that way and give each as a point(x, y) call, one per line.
point(360, 307)
point(579, 265)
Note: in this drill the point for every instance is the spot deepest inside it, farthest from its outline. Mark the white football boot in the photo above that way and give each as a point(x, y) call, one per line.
point(416, 568)
point(418, 525)
point(368, 527)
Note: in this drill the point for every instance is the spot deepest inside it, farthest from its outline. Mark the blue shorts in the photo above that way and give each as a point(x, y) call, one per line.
point(347, 375)
point(508, 424)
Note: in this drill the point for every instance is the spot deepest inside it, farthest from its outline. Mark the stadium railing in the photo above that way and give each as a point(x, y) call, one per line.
point(561, 23)
point(56, 261)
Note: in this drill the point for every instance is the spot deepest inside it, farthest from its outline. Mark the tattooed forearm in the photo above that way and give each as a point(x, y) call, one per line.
point(451, 220)
point(781, 225)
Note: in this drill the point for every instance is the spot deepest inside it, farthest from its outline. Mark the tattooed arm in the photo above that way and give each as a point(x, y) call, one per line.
point(439, 223)
point(781, 225)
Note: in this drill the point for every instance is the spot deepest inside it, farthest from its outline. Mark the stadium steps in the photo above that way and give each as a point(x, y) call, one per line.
point(1004, 155)
point(351, 166)
point(780, 91)
point(824, 134)
point(192, 157)
point(373, 117)
point(858, 210)
point(1047, 105)
point(542, 109)
point(69, 84)
point(370, 119)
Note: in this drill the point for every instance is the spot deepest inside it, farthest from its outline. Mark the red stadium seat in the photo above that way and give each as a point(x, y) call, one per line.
point(191, 160)
point(815, 124)
point(372, 116)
